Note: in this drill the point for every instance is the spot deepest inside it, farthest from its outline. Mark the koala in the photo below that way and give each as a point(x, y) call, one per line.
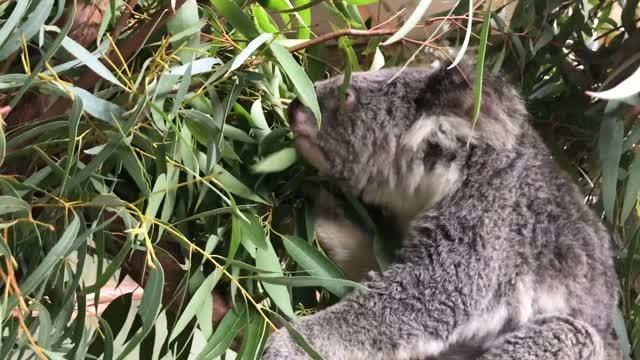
point(499, 258)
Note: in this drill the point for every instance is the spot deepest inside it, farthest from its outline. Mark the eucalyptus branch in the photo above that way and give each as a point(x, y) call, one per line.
point(364, 33)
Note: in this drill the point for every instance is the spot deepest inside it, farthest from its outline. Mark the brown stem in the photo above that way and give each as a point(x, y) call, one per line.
point(363, 33)
point(124, 18)
point(340, 33)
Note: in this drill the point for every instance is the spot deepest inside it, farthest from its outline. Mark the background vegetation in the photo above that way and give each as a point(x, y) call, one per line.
point(148, 138)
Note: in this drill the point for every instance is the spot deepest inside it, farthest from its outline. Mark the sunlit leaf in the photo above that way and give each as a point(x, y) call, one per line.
point(267, 259)
point(196, 302)
point(316, 264)
point(626, 88)
point(301, 82)
point(610, 144)
point(277, 161)
point(411, 22)
point(10, 204)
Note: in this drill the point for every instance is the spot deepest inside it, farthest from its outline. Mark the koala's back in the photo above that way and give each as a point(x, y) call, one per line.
point(541, 250)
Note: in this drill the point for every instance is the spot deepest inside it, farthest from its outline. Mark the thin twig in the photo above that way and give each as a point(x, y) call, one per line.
point(124, 19)
point(337, 34)
point(376, 31)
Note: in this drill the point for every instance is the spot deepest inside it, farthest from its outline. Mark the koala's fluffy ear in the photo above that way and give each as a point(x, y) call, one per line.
point(445, 102)
point(443, 89)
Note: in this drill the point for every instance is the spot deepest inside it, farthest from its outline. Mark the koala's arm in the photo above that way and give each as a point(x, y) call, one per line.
point(346, 242)
point(403, 313)
point(550, 338)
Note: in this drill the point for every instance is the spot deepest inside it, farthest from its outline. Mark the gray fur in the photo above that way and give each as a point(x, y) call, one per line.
point(501, 258)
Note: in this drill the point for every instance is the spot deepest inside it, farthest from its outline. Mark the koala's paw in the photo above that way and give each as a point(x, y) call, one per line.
point(345, 240)
point(280, 346)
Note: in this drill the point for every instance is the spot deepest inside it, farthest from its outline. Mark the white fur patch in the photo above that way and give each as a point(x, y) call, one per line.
point(446, 130)
point(422, 348)
point(416, 192)
point(347, 245)
point(487, 324)
point(532, 301)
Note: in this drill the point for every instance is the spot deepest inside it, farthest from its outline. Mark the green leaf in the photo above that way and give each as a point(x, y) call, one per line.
point(28, 29)
point(411, 22)
point(477, 87)
point(236, 17)
point(316, 264)
point(252, 231)
point(610, 145)
point(361, 2)
point(257, 114)
point(278, 161)
point(250, 49)
point(303, 16)
point(59, 251)
point(234, 186)
point(254, 338)
point(89, 60)
point(10, 204)
point(149, 307)
point(301, 82)
point(46, 57)
point(467, 37)
point(183, 20)
point(4, 249)
point(222, 338)
point(632, 188)
point(297, 338)
point(378, 60)
point(3, 144)
point(267, 259)
point(626, 88)
point(182, 91)
point(263, 20)
point(13, 20)
point(97, 107)
point(196, 302)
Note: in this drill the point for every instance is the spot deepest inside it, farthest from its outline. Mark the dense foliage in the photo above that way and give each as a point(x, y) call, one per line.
point(149, 138)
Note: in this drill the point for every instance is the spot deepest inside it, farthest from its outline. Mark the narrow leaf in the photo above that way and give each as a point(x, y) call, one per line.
point(610, 144)
point(250, 49)
point(626, 88)
point(267, 259)
point(196, 302)
point(89, 60)
point(278, 161)
point(301, 82)
point(42, 272)
point(411, 22)
point(467, 37)
point(477, 88)
point(10, 204)
point(632, 187)
point(316, 264)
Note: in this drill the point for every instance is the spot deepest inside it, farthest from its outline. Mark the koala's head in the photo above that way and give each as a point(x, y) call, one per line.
point(398, 139)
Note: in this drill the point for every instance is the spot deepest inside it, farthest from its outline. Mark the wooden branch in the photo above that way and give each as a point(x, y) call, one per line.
point(124, 18)
point(129, 47)
point(346, 32)
point(376, 31)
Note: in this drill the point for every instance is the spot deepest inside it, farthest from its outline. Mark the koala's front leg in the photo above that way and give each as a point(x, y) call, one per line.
point(346, 241)
point(405, 313)
point(549, 338)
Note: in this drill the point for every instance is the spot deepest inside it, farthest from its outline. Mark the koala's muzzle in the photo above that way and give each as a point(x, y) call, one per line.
point(305, 129)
